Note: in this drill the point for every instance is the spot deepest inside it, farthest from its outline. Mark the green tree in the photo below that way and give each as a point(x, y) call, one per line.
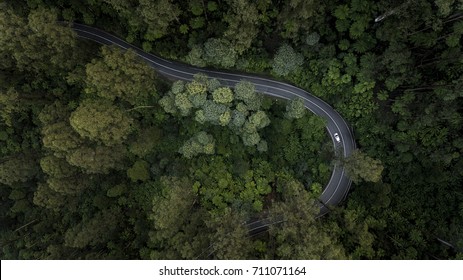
point(223, 95)
point(243, 24)
point(179, 230)
point(195, 56)
point(60, 138)
point(297, 17)
point(158, 16)
point(97, 159)
point(44, 196)
point(201, 143)
point(220, 52)
point(172, 210)
point(139, 171)
point(72, 185)
point(11, 105)
point(100, 121)
point(93, 231)
point(286, 61)
point(37, 44)
point(295, 109)
point(122, 76)
point(360, 166)
point(146, 142)
point(18, 168)
point(57, 167)
point(245, 91)
point(294, 229)
point(230, 237)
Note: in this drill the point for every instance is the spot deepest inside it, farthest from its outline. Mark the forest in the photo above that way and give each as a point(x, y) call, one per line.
point(101, 157)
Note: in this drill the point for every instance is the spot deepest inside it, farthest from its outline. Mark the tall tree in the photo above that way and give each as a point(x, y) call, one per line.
point(122, 76)
point(360, 166)
point(98, 159)
point(201, 143)
point(22, 42)
point(18, 168)
point(294, 231)
point(93, 231)
point(230, 238)
point(297, 17)
point(100, 121)
point(286, 61)
point(295, 109)
point(220, 52)
point(158, 15)
point(243, 24)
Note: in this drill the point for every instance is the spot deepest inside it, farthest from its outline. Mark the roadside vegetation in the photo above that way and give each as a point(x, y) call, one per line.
point(102, 158)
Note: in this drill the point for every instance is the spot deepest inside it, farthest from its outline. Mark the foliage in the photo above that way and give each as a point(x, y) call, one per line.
point(286, 61)
point(139, 171)
point(89, 138)
point(219, 52)
point(295, 109)
point(120, 76)
point(360, 166)
point(100, 121)
point(201, 143)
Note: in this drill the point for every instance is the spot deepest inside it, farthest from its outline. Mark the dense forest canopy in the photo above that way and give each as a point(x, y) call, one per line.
point(103, 158)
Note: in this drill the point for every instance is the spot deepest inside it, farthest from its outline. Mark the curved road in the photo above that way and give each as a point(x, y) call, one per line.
point(339, 184)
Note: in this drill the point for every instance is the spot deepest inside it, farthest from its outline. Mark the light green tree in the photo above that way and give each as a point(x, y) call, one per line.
point(220, 52)
point(262, 146)
point(120, 75)
point(223, 95)
point(286, 61)
point(259, 120)
point(167, 102)
point(214, 111)
point(201, 143)
point(245, 91)
point(195, 56)
point(237, 119)
point(183, 103)
point(197, 86)
point(295, 109)
point(250, 138)
point(100, 121)
point(360, 166)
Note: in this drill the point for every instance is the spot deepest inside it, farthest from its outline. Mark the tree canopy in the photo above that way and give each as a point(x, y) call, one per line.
point(103, 158)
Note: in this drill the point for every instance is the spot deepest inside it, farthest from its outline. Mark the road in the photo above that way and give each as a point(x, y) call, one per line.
point(337, 187)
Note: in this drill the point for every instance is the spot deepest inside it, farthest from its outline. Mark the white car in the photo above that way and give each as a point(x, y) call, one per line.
point(336, 136)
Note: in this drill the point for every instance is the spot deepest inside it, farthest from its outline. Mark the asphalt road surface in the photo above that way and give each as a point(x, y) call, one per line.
point(338, 186)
